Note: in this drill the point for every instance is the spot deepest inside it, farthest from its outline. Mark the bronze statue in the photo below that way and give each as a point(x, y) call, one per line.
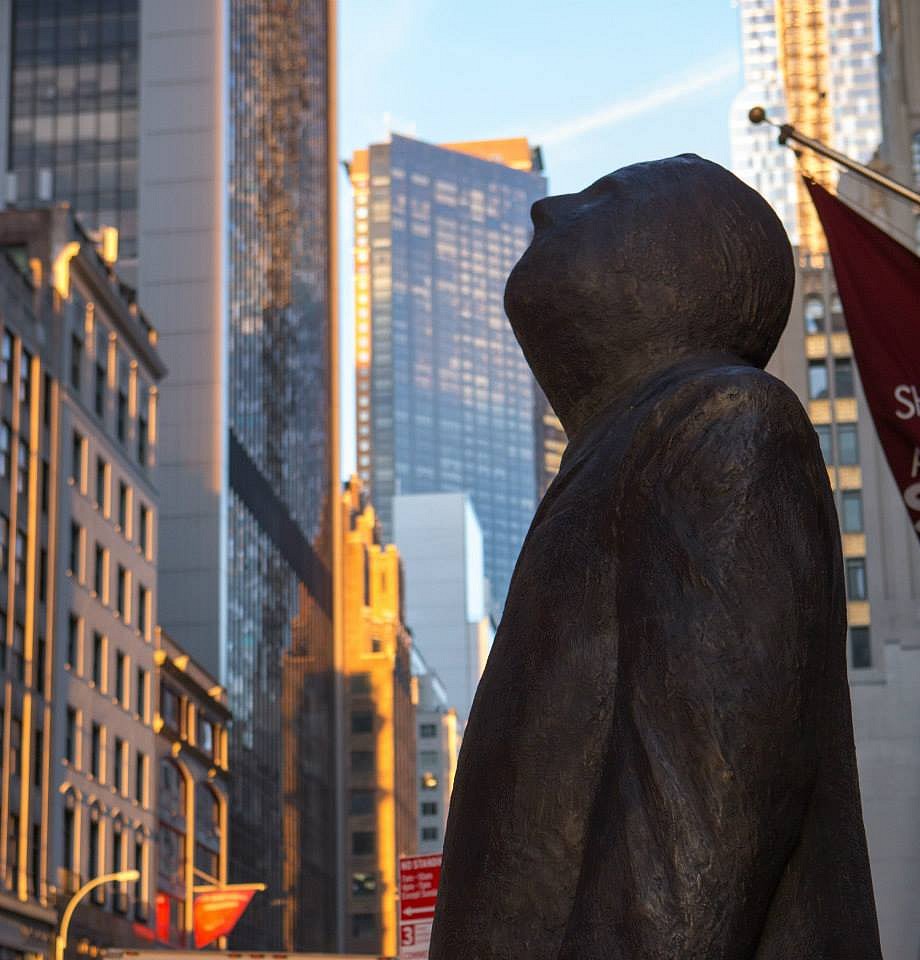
point(659, 763)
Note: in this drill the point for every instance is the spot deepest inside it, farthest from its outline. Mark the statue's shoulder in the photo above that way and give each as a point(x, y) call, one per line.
point(748, 396)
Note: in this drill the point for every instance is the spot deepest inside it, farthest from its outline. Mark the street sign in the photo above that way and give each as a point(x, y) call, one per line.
point(418, 893)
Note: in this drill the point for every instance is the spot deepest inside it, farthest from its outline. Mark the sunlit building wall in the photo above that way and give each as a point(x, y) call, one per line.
point(441, 544)
point(192, 798)
point(437, 748)
point(236, 199)
point(379, 730)
point(444, 396)
point(825, 69)
point(79, 369)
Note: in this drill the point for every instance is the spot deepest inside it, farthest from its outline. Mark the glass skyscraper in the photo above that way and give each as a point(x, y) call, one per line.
point(204, 131)
point(445, 398)
point(72, 127)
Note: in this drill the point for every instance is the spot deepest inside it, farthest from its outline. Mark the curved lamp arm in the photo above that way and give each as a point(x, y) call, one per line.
point(123, 876)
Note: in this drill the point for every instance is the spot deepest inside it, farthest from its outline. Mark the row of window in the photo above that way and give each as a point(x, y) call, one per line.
point(123, 509)
point(13, 654)
point(819, 378)
point(93, 660)
point(847, 443)
point(100, 388)
point(101, 582)
point(816, 314)
point(87, 748)
point(106, 852)
point(184, 719)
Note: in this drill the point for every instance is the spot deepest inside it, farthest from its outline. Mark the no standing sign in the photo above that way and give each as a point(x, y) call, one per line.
point(418, 892)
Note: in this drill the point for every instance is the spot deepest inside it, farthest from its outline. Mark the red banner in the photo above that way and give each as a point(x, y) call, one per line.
point(879, 284)
point(217, 911)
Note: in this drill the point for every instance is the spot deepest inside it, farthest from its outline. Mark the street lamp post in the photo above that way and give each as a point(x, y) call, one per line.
point(60, 941)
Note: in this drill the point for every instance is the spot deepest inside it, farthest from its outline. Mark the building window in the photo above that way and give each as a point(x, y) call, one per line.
point(77, 454)
point(99, 573)
point(143, 611)
point(6, 357)
point(98, 672)
point(362, 843)
point(102, 471)
point(429, 781)
point(140, 906)
point(46, 486)
point(76, 362)
point(121, 766)
point(124, 592)
point(101, 365)
point(121, 666)
point(847, 444)
point(363, 884)
point(122, 422)
point(19, 559)
point(70, 738)
point(427, 730)
point(69, 838)
point(362, 802)
point(121, 862)
point(856, 578)
point(362, 761)
point(838, 320)
point(95, 753)
point(860, 648)
point(5, 462)
point(814, 313)
point(143, 536)
point(22, 469)
point(205, 736)
point(17, 651)
point(362, 722)
point(852, 513)
point(140, 779)
point(363, 926)
point(817, 380)
point(142, 694)
point(74, 561)
point(73, 641)
point(360, 684)
point(429, 834)
point(123, 507)
point(46, 399)
point(95, 853)
point(169, 707)
point(843, 377)
point(25, 376)
point(142, 425)
point(4, 542)
point(429, 809)
point(42, 575)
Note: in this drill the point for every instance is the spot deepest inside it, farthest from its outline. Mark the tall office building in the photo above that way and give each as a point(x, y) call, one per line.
point(441, 544)
point(444, 396)
point(217, 163)
point(69, 110)
point(816, 62)
point(811, 63)
point(379, 715)
point(79, 369)
point(237, 209)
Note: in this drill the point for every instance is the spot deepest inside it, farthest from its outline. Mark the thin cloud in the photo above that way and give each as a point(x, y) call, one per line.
point(701, 77)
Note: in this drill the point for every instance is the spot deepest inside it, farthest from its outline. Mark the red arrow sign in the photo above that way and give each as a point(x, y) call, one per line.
point(418, 886)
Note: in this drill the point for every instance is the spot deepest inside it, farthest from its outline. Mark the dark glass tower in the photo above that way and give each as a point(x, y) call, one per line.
point(445, 398)
point(73, 110)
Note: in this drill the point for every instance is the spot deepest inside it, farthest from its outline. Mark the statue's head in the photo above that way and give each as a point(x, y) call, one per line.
point(650, 265)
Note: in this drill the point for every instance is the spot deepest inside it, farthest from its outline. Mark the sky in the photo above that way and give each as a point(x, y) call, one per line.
point(598, 84)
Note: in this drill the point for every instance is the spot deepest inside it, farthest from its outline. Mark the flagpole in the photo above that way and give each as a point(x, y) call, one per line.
point(787, 132)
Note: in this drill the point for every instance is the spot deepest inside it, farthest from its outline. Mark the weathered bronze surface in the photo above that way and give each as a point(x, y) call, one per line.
point(659, 763)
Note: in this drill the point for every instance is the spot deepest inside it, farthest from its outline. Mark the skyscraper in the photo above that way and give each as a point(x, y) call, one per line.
point(236, 211)
point(445, 398)
point(217, 161)
point(812, 62)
